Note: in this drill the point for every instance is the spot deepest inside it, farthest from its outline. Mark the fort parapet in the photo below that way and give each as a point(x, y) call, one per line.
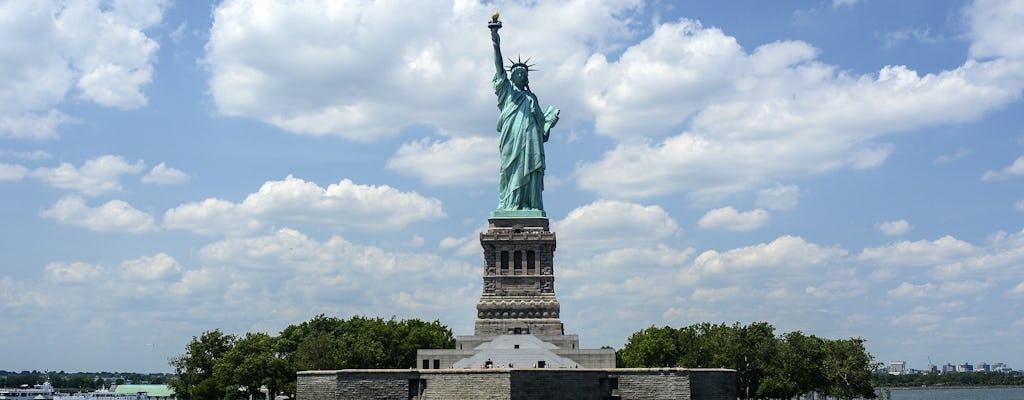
point(519, 384)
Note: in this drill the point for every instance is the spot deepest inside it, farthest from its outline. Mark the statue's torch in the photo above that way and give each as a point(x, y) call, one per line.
point(494, 24)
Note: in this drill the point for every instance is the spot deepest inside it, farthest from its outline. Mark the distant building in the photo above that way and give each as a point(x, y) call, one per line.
point(932, 369)
point(897, 367)
point(982, 367)
point(1000, 367)
point(948, 368)
point(965, 367)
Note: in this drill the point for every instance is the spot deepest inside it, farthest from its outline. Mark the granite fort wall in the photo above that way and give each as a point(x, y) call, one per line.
point(519, 384)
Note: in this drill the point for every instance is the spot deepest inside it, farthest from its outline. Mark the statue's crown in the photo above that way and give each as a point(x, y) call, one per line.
point(519, 63)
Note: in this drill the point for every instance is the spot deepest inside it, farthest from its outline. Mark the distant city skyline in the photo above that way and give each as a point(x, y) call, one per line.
point(845, 168)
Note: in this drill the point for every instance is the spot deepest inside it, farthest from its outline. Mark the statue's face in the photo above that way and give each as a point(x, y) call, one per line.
point(520, 77)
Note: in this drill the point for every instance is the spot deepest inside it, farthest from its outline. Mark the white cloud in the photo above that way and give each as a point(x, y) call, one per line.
point(921, 35)
point(993, 26)
point(782, 254)
point(464, 245)
point(909, 290)
point(96, 176)
point(96, 52)
point(919, 253)
point(367, 70)
point(28, 155)
point(12, 172)
point(1019, 205)
point(870, 157)
point(920, 321)
point(161, 174)
point(1010, 171)
point(260, 283)
point(112, 216)
point(727, 218)
point(607, 224)
point(149, 268)
point(960, 152)
point(72, 273)
point(716, 294)
point(33, 125)
point(669, 76)
point(778, 197)
point(455, 161)
point(343, 205)
point(777, 112)
point(1017, 291)
point(893, 228)
point(844, 3)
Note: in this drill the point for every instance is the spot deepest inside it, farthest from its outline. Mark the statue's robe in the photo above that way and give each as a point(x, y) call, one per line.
point(522, 128)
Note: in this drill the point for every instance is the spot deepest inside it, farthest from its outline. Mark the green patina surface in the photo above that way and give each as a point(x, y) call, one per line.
point(518, 214)
point(523, 128)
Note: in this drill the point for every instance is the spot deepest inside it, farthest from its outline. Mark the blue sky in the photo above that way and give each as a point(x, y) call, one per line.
point(844, 168)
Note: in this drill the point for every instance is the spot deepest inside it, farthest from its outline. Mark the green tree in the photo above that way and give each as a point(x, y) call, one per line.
point(360, 342)
point(216, 365)
point(798, 368)
point(848, 369)
point(250, 364)
point(651, 347)
point(756, 358)
point(195, 369)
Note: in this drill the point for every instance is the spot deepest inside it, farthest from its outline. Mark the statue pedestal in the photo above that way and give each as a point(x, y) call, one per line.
point(518, 214)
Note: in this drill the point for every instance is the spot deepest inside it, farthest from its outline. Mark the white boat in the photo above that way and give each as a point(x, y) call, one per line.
point(36, 392)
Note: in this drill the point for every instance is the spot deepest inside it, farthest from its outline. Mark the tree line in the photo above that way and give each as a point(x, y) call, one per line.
point(951, 379)
point(768, 366)
point(217, 365)
point(77, 381)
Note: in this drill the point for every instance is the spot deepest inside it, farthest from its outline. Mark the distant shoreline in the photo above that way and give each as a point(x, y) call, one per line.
point(952, 387)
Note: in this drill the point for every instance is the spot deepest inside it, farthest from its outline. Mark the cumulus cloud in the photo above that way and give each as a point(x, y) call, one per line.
point(919, 321)
point(112, 216)
point(455, 161)
point(161, 174)
point(778, 197)
point(960, 152)
point(464, 245)
point(921, 35)
point(367, 70)
point(1013, 170)
point(607, 224)
point(919, 253)
point(1019, 205)
point(95, 177)
point(257, 283)
point(893, 228)
point(727, 218)
point(148, 268)
point(56, 50)
point(781, 254)
point(28, 155)
point(909, 290)
point(12, 172)
point(716, 294)
point(1017, 291)
point(769, 114)
point(71, 273)
point(345, 205)
point(992, 24)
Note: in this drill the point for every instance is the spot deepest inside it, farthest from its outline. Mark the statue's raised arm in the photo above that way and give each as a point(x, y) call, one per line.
point(523, 127)
point(494, 25)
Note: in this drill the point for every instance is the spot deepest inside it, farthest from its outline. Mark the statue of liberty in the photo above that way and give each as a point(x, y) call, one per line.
point(523, 129)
